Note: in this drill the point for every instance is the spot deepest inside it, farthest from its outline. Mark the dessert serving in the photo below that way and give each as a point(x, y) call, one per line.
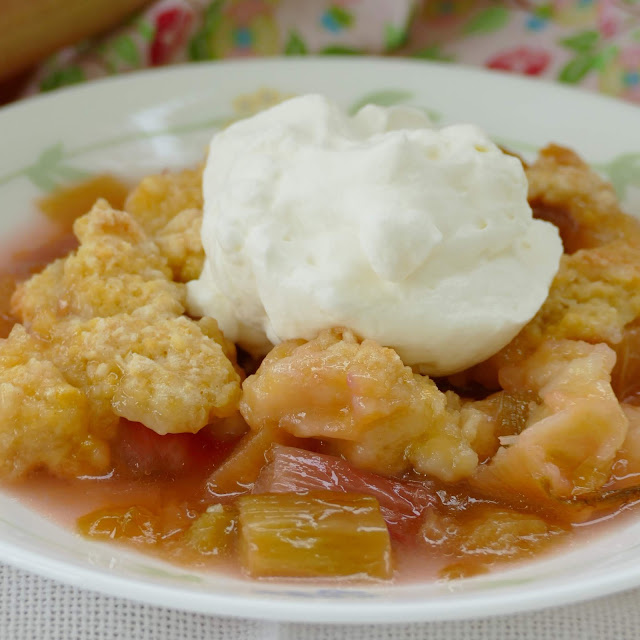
point(352, 347)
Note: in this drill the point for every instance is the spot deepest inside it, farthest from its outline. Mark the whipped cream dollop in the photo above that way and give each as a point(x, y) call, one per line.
point(418, 238)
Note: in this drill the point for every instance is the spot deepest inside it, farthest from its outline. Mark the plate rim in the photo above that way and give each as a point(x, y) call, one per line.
point(317, 611)
point(309, 60)
point(475, 605)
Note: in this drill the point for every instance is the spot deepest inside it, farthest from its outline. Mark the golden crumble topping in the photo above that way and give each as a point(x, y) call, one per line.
point(564, 190)
point(111, 337)
point(169, 208)
point(594, 296)
point(364, 401)
point(106, 373)
point(159, 198)
point(116, 269)
point(166, 374)
point(179, 242)
point(44, 421)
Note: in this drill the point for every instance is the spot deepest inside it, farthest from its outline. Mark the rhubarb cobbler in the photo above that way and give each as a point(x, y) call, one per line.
point(313, 434)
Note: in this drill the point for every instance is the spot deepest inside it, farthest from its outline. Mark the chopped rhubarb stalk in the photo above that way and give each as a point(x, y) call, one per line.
point(321, 534)
point(140, 452)
point(136, 525)
point(214, 532)
point(240, 470)
point(294, 470)
point(625, 377)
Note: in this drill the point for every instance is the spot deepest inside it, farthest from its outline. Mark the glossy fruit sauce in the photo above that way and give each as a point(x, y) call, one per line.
point(157, 494)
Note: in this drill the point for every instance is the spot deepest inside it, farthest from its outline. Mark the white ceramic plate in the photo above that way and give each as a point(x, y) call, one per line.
point(137, 124)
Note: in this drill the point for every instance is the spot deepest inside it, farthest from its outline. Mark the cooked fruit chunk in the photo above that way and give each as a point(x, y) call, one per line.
point(159, 198)
point(44, 421)
point(322, 534)
point(625, 377)
point(450, 447)
point(362, 400)
point(240, 470)
point(477, 539)
point(491, 532)
point(503, 533)
point(571, 437)
point(214, 532)
point(135, 525)
point(7, 287)
point(139, 452)
point(293, 470)
point(333, 386)
point(499, 415)
point(625, 471)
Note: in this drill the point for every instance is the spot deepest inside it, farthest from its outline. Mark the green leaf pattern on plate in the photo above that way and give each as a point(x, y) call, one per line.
point(624, 172)
point(52, 169)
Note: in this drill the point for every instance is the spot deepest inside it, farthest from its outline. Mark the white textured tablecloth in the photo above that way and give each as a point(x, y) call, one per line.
point(34, 608)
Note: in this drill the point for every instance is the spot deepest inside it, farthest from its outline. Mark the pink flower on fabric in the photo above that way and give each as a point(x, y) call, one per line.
point(171, 31)
point(608, 19)
point(525, 60)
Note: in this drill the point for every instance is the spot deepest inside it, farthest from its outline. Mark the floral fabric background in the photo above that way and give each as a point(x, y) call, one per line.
point(593, 43)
